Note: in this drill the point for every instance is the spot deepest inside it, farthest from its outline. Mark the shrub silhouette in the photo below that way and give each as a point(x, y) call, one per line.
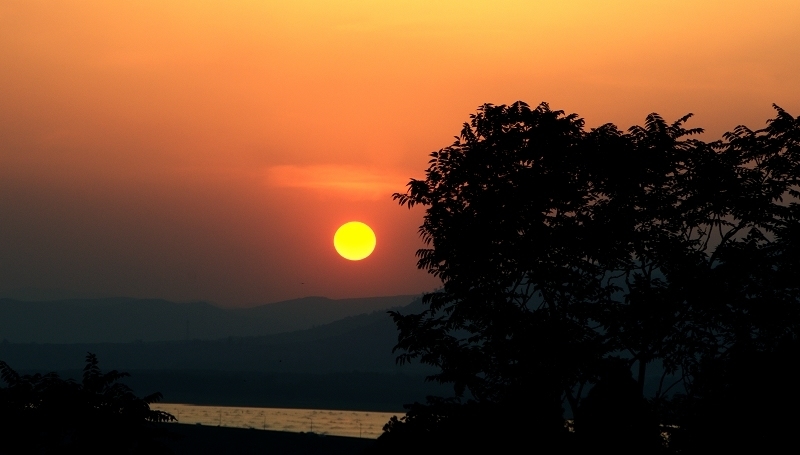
point(46, 414)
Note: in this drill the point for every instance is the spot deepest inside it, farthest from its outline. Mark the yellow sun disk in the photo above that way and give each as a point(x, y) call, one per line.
point(354, 241)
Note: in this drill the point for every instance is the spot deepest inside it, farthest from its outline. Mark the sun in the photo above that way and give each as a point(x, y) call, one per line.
point(354, 241)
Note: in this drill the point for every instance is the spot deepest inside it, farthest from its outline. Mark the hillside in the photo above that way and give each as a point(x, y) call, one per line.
point(122, 320)
point(346, 364)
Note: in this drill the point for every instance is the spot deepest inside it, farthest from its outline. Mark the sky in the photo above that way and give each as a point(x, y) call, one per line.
point(209, 150)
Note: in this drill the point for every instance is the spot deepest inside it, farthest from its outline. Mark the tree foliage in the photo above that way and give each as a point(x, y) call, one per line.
point(42, 413)
point(562, 251)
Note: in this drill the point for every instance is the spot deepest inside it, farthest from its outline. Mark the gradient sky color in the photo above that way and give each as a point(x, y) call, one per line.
point(209, 150)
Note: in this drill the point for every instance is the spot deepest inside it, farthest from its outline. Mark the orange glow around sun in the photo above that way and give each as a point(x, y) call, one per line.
point(354, 241)
point(201, 150)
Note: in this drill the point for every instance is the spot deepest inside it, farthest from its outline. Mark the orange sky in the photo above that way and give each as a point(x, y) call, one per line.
point(209, 150)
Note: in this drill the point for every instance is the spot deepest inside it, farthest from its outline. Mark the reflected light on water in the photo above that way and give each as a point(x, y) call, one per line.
point(321, 421)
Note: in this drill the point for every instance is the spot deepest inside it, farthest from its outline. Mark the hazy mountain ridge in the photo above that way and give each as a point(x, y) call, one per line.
point(121, 320)
point(356, 343)
point(345, 364)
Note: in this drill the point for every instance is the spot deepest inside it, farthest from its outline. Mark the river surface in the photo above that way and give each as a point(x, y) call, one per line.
point(321, 421)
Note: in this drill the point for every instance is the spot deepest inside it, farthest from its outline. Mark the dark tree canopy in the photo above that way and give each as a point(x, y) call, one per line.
point(47, 414)
point(563, 251)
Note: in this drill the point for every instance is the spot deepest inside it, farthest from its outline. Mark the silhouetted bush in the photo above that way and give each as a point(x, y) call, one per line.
point(47, 414)
point(449, 426)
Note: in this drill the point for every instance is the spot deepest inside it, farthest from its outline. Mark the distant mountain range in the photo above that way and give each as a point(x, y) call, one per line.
point(121, 320)
point(344, 364)
point(356, 343)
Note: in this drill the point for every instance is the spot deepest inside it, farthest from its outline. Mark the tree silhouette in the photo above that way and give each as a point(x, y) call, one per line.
point(564, 252)
point(46, 414)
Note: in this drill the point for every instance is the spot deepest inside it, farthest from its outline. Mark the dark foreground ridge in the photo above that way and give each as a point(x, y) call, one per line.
point(201, 440)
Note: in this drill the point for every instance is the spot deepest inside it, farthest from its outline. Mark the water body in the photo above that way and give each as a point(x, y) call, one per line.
point(321, 421)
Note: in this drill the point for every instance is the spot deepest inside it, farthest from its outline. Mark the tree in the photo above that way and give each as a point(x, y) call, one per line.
point(562, 251)
point(46, 414)
point(509, 225)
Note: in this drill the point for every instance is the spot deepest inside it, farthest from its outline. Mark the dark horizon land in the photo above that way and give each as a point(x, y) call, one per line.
point(307, 353)
point(286, 354)
point(121, 319)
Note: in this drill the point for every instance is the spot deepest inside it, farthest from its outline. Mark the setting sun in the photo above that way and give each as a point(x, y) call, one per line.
point(354, 241)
